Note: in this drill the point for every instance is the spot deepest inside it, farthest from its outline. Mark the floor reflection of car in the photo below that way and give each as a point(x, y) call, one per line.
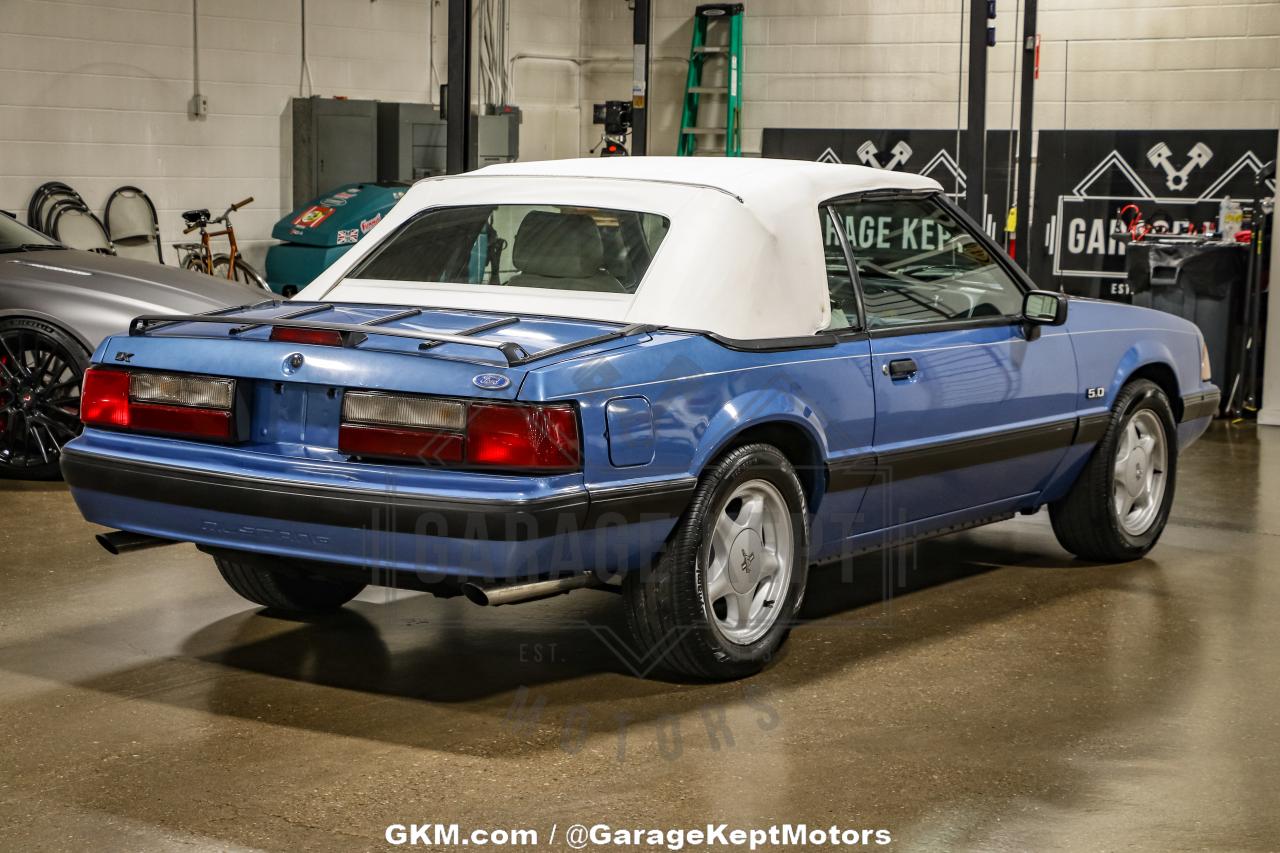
point(56, 306)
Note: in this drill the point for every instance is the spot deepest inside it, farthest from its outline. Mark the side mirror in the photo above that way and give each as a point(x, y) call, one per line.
point(1044, 308)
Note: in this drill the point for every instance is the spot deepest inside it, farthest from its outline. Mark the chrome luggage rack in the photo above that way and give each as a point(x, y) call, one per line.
point(354, 334)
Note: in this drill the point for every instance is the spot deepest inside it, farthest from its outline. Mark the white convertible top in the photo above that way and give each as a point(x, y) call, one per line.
point(743, 257)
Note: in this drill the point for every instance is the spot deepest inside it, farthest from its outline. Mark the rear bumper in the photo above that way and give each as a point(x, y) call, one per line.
point(330, 506)
point(483, 537)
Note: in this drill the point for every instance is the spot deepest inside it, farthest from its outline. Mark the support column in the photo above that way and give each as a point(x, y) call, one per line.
point(1026, 129)
point(642, 19)
point(458, 108)
point(1270, 413)
point(975, 141)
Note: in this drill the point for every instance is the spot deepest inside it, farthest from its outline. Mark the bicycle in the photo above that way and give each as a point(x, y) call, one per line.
point(199, 257)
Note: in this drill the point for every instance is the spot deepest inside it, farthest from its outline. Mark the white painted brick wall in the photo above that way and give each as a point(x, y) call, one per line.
point(94, 92)
point(1133, 63)
point(544, 44)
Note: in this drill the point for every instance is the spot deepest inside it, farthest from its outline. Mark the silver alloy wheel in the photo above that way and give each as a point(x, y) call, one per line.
point(747, 562)
point(1139, 479)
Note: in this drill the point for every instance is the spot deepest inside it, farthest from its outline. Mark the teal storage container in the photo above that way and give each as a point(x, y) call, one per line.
point(318, 233)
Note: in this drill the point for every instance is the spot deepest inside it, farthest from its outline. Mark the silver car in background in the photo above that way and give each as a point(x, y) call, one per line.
point(56, 305)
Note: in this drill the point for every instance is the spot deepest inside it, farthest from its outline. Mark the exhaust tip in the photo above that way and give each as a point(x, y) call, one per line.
point(475, 594)
point(517, 593)
point(122, 541)
point(104, 539)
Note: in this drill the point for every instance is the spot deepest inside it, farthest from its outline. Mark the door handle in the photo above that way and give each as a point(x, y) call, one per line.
point(901, 368)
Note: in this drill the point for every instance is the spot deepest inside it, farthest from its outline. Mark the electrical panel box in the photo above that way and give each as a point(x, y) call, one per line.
point(335, 142)
point(497, 138)
point(411, 142)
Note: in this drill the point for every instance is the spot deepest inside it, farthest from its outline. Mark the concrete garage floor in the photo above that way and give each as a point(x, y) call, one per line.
point(1004, 698)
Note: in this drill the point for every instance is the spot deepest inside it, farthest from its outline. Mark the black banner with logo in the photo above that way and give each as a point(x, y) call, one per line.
point(925, 152)
point(1085, 178)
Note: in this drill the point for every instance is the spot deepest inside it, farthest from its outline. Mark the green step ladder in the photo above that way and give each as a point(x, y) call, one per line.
point(699, 54)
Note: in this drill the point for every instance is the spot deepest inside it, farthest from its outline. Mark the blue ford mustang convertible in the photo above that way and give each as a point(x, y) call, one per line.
point(683, 380)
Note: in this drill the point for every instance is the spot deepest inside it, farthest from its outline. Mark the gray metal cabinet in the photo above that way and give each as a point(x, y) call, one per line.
point(411, 142)
point(335, 142)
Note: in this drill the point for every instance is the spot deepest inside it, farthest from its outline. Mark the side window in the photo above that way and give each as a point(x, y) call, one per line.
point(919, 264)
point(844, 295)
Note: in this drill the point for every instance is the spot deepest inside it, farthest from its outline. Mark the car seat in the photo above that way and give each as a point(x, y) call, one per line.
point(132, 225)
point(561, 251)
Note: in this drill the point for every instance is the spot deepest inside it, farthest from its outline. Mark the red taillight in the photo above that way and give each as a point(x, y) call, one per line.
point(510, 436)
point(171, 404)
point(318, 337)
point(104, 397)
point(181, 420)
point(396, 426)
point(505, 435)
point(375, 441)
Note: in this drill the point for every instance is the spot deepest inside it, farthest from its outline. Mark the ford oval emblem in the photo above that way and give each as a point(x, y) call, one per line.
point(491, 381)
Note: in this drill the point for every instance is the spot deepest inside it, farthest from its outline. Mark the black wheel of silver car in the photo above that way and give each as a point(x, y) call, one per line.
point(279, 584)
point(1119, 505)
point(721, 599)
point(40, 372)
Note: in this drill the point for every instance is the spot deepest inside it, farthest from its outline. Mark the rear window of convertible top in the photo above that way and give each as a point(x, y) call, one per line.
point(552, 247)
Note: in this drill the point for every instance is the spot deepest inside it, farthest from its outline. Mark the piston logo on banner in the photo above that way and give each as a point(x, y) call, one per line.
point(1176, 178)
point(931, 153)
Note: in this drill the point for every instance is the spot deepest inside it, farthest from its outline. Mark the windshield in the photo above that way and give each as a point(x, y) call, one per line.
point(15, 236)
point(553, 247)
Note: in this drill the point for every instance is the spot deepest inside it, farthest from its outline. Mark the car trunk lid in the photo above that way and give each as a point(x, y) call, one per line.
point(296, 389)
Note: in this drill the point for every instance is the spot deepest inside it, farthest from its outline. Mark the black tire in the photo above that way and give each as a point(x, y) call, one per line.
point(277, 583)
point(1086, 521)
point(245, 274)
point(193, 262)
point(667, 607)
point(41, 368)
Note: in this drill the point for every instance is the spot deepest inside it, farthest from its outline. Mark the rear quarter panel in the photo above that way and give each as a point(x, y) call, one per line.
point(702, 394)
